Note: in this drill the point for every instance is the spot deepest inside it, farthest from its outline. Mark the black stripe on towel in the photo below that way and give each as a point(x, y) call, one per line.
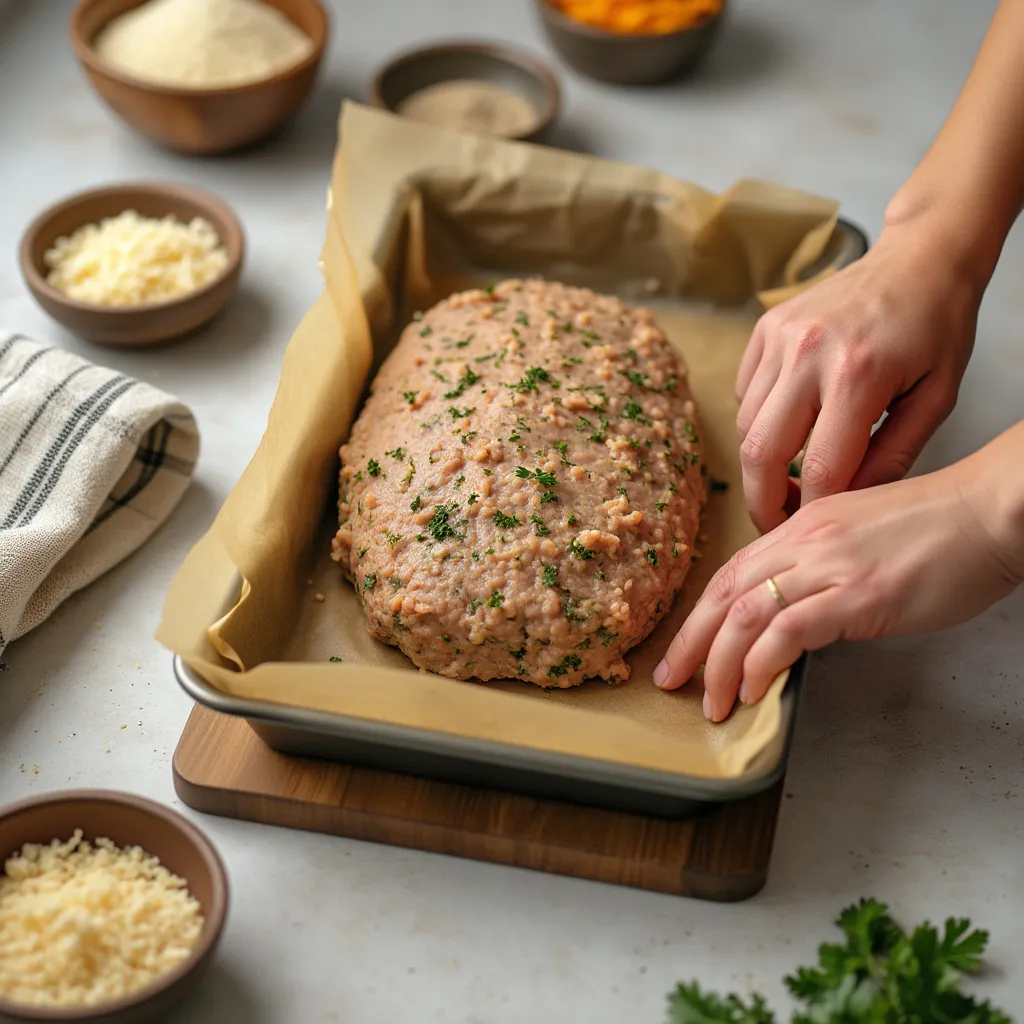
point(39, 474)
point(58, 470)
point(150, 457)
point(29, 363)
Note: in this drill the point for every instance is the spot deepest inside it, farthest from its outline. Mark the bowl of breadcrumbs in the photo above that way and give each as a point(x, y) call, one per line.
point(111, 907)
point(201, 76)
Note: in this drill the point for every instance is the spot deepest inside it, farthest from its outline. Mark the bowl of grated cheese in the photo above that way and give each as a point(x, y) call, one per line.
point(201, 76)
point(111, 907)
point(134, 265)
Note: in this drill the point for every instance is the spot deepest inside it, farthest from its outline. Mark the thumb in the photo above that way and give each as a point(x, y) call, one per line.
point(909, 423)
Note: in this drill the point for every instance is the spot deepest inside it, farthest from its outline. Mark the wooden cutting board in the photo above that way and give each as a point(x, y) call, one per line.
point(222, 767)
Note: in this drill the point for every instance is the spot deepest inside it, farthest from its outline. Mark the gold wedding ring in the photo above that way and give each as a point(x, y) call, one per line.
point(776, 593)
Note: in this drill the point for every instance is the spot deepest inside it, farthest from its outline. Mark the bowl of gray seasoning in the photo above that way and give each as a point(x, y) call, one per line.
point(477, 88)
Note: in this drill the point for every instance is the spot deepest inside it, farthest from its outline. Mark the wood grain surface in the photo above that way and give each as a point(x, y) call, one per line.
point(222, 767)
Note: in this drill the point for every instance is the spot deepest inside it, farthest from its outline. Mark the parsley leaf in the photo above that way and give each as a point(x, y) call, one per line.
point(584, 554)
point(569, 663)
point(540, 475)
point(600, 434)
point(550, 576)
point(533, 376)
point(633, 411)
point(689, 1005)
point(439, 527)
point(506, 522)
point(468, 379)
point(496, 600)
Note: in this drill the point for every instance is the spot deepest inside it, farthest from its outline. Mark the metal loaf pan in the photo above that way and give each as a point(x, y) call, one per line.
point(515, 769)
point(532, 772)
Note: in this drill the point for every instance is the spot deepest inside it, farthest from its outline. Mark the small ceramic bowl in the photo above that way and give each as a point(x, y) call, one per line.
point(200, 121)
point(127, 821)
point(501, 65)
point(132, 326)
point(628, 59)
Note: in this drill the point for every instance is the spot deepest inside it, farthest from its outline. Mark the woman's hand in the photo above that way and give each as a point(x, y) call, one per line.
point(909, 557)
point(891, 333)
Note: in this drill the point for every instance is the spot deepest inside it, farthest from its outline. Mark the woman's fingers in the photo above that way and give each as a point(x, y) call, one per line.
point(807, 625)
point(773, 440)
point(896, 444)
point(747, 618)
point(691, 644)
point(760, 387)
point(752, 356)
point(838, 443)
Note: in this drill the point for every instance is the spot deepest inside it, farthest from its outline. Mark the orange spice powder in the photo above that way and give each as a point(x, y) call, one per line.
point(638, 17)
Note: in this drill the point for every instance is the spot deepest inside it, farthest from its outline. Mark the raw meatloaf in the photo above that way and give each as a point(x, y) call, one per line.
point(520, 495)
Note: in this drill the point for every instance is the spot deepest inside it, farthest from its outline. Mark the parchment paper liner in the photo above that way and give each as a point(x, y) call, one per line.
point(412, 213)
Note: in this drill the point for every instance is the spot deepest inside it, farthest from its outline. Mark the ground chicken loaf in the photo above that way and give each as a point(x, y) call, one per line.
point(520, 495)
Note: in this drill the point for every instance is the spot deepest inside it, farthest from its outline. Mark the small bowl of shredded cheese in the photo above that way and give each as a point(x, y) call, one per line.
point(201, 76)
point(111, 907)
point(632, 42)
point(134, 265)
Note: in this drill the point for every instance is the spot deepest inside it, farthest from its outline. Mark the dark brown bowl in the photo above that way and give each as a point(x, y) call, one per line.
point(628, 59)
point(126, 820)
point(132, 326)
point(513, 69)
point(200, 121)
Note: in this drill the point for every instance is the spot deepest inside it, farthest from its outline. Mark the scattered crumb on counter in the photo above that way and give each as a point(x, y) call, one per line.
point(319, 598)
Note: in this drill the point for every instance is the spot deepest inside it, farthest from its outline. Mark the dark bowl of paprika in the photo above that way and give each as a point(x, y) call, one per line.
point(626, 52)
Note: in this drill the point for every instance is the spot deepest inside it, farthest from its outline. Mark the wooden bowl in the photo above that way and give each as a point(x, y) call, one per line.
point(200, 121)
point(628, 59)
point(515, 70)
point(132, 326)
point(128, 821)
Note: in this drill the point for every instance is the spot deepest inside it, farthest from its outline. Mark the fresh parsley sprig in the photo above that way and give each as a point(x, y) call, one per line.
point(880, 975)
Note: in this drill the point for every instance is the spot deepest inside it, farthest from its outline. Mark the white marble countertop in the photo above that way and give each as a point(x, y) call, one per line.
point(907, 776)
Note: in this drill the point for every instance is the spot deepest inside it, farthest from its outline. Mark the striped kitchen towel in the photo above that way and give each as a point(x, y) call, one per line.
point(91, 463)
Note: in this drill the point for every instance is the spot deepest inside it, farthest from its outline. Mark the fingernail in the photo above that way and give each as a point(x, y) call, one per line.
point(708, 712)
point(744, 694)
point(661, 673)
